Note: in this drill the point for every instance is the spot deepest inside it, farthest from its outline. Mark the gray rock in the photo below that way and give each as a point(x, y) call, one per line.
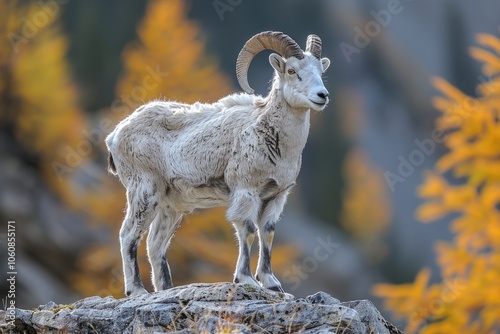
point(322, 298)
point(204, 308)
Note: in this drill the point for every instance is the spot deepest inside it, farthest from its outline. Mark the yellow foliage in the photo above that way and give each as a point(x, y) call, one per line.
point(366, 208)
point(39, 103)
point(38, 97)
point(168, 61)
point(468, 298)
point(171, 45)
point(412, 298)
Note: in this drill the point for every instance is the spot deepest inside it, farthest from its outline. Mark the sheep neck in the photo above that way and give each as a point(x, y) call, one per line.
point(291, 123)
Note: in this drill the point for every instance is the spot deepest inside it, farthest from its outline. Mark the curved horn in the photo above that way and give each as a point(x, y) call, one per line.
point(314, 45)
point(271, 40)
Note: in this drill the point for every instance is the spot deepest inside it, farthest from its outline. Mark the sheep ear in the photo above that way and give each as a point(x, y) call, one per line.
point(325, 63)
point(277, 62)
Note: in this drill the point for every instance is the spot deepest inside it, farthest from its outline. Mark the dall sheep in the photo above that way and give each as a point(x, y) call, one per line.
point(243, 151)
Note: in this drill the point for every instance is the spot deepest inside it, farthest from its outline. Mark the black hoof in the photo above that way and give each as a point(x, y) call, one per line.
point(277, 288)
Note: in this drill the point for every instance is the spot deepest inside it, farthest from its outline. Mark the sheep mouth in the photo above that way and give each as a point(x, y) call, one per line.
point(321, 104)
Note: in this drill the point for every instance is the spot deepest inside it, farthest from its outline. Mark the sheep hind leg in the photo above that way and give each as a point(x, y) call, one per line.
point(160, 234)
point(142, 202)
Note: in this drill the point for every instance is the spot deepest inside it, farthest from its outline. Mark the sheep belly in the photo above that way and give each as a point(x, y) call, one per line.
point(186, 197)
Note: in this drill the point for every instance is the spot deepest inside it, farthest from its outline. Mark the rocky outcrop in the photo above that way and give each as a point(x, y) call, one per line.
point(202, 308)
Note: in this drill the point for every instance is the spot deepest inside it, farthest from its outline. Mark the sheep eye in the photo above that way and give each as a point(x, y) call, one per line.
point(290, 71)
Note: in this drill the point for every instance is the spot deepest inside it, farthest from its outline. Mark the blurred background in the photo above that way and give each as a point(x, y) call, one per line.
point(71, 70)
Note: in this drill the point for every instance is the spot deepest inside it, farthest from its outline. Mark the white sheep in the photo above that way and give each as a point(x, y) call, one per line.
point(243, 151)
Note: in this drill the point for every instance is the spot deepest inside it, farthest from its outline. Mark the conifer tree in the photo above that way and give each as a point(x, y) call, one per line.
point(366, 208)
point(39, 102)
point(168, 60)
point(467, 300)
point(39, 106)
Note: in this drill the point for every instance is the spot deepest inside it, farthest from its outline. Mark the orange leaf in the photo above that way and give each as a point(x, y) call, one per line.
point(434, 185)
point(431, 211)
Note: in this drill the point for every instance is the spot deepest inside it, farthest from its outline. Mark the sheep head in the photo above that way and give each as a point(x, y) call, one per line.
point(299, 72)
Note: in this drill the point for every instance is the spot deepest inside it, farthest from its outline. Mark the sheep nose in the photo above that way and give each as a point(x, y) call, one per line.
point(323, 95)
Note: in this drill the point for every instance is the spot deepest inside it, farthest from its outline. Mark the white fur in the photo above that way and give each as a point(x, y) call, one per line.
point(243, 151)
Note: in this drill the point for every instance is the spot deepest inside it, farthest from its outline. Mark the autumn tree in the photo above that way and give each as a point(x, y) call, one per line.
point(41, 116)
point(168, 61)
point(466, 185)
point(366, 210)
point(38, 100)
point(366, 207)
